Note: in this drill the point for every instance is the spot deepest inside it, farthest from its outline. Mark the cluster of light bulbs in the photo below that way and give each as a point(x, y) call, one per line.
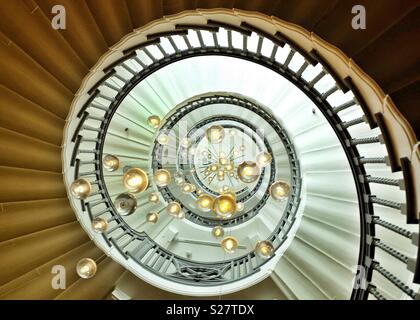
point(225, 205)
point(224, 167)
point(136, 180)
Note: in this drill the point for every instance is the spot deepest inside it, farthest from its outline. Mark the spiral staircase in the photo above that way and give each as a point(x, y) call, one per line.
point(351, 228)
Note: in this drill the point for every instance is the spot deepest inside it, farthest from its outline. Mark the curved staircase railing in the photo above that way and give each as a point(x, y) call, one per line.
point(87, 135)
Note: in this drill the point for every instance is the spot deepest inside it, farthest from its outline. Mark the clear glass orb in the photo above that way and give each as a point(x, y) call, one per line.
point(231, 194)
point(193, 151)
point(154, 121)
point(218, 232)
point(236, 153)
point(240, 206)
point(110, 163)
point(248, 172)
point(231, 174)
point(173, 208)
point(224, 189)
point(179, 174)
point(224, 206)
point(186, 142)
point(221, 173)
point(214, 167)
point(152, 217)
point(229, 244)
point(224, 161)
point(86, 268)
point(242, 147)
point(162, 177)
point(154, 198)
point(180, 215)
point(81, 188)
point(222, 155)
point(205, 202)
point(280, 190)
point(187, 188)
point(179, 181)
point(125, 204)
point(99, 225)
point(204, 153)
point(163, 139)
point(264, 159)
point(264, 249)
point(179, 177)
point(230, 166)
point(232, 132)
point(215, 134)
point(135, 180)
point(200, 192)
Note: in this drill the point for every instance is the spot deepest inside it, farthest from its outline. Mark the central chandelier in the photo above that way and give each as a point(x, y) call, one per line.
point(222, 165)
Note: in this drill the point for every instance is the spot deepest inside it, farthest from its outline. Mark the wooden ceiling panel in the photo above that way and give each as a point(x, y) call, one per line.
point(82, 32)
point(21, 255)
point(15, 148)
point(407, 101)
point(112, 17)
point(175, 6)
point(393, 59)
point(211, 4)
point(144, 11)
point(263, 6)
point(306, 13)
point(17, 218)
point(29, 118)
point(336, 27)
point(36, 284)
point(31, 30)
point(18, 69)
point(26, 184)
